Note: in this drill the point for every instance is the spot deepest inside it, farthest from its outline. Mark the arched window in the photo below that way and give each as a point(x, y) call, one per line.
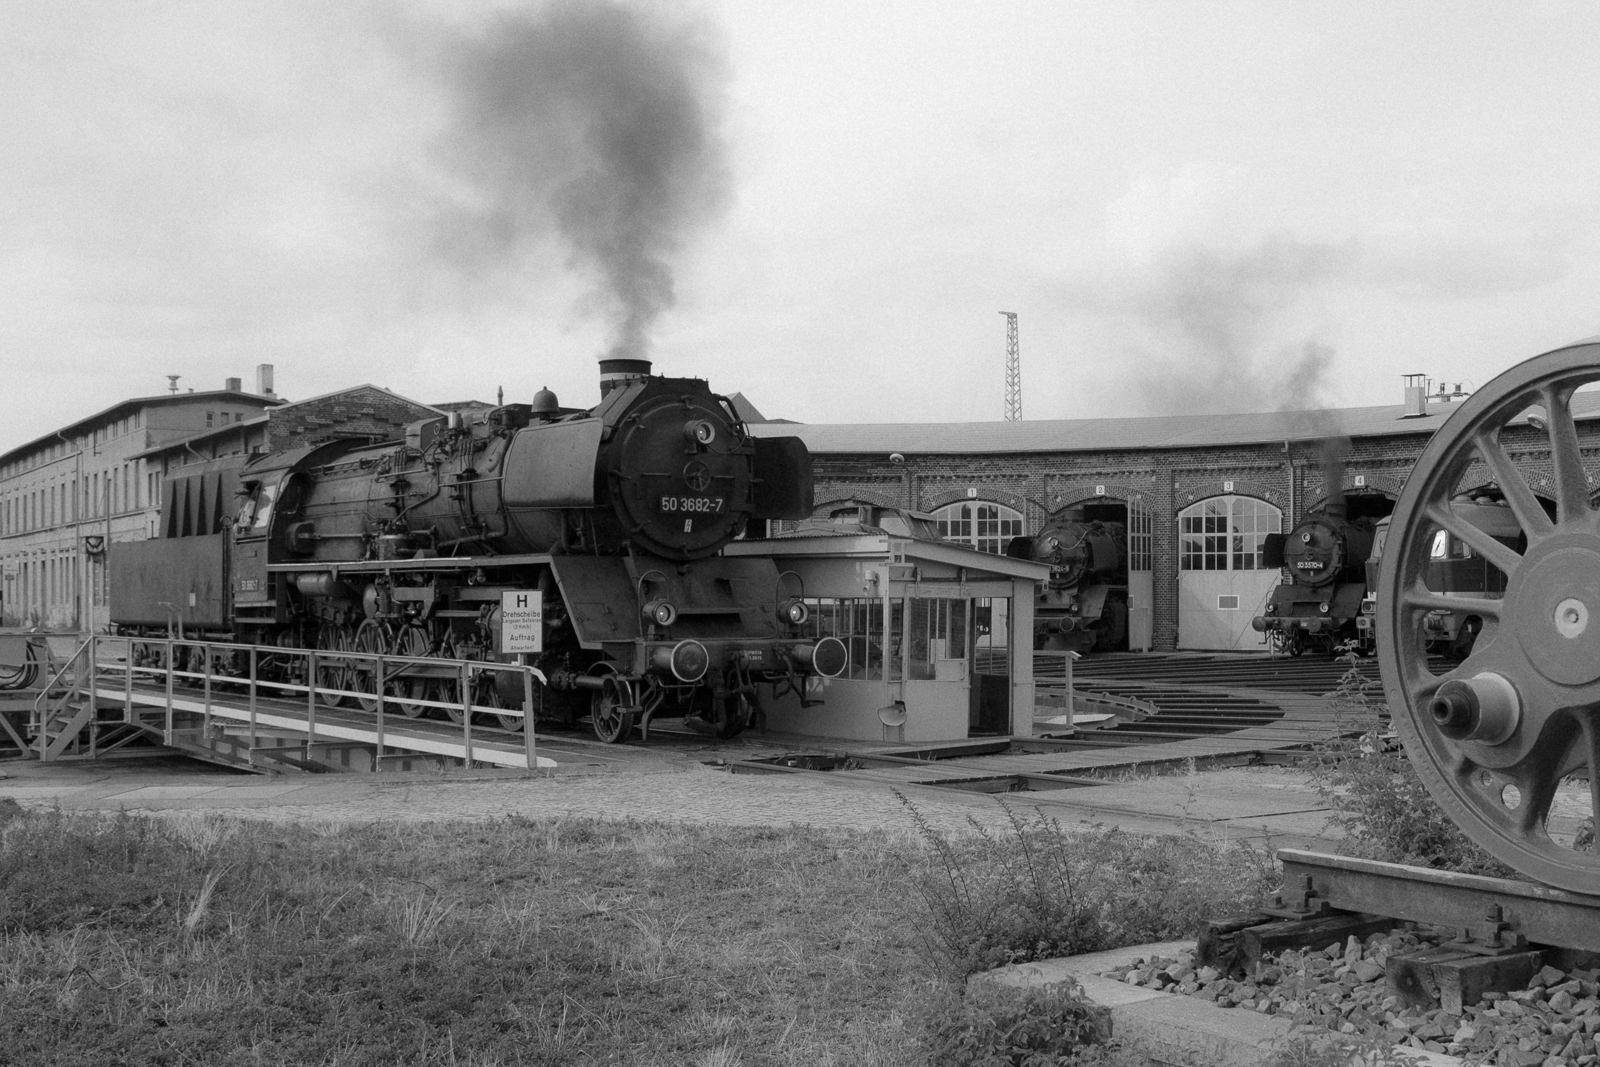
point(986, 527)
point(1225, 533)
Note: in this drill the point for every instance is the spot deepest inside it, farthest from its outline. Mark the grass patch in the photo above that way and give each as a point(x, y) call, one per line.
point(130, 940)
point(1041, 890)
point(208, 940)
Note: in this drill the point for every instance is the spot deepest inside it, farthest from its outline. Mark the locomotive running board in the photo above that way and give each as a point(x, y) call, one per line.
point(427, 563)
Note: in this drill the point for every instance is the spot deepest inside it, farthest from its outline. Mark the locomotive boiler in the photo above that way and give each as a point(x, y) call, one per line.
point(1324, 560)
point(1083, 605)
point(609, 519)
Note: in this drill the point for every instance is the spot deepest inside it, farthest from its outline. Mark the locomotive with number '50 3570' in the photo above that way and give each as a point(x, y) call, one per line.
point(610, 518)
point(1319, 604)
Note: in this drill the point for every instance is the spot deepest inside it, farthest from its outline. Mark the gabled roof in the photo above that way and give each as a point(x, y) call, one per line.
point(1149, 433)
point(233, 428)
point(116, 411)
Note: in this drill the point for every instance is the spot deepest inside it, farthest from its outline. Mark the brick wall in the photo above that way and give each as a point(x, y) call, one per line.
point(1288, 475)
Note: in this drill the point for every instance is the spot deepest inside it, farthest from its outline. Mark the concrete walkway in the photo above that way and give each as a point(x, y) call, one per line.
point(1268, 805)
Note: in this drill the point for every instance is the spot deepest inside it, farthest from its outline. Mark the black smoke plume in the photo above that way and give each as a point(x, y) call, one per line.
point(602, 120)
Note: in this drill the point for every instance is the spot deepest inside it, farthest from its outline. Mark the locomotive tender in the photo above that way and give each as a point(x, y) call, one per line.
point(613, 516)
point(1325, 561)
point(1083, 605)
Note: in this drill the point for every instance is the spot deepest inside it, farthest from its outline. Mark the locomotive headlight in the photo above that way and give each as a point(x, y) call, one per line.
point(700, 431)
point(793, 611)
point(1323, 607)
point(661, 612)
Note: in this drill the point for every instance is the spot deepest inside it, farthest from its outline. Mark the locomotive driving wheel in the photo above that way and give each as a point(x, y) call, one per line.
point(614, 710)
point(333, 672)
point(1507, 740)
point(486, 694)
point(372, 638)
point(413, 641)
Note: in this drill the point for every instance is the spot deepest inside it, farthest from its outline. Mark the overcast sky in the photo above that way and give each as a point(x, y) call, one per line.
point(1191, 206)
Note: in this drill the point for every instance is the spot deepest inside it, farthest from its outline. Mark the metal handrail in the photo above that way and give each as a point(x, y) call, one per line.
point(40, 714)
point(382, 672)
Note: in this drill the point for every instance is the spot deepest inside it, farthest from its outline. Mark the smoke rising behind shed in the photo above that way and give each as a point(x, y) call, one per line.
point(1222, 325)
point(600, 123)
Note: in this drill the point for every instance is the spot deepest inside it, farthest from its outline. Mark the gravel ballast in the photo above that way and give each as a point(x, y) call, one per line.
point(1554, 1022)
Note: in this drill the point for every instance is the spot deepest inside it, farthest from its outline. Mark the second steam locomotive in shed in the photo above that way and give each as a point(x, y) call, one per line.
point(611, 518)
point(1083, 605)
point(1318, 606)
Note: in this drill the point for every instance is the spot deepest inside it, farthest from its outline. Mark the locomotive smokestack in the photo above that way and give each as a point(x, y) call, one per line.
point(615, 372)
point(1333, 450)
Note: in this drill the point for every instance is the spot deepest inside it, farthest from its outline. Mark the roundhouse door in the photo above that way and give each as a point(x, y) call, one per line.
point(1222, 583)
point(1141, 588)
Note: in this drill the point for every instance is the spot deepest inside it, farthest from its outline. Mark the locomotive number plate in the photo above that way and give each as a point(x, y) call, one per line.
point(693, 505)
point(249, 585)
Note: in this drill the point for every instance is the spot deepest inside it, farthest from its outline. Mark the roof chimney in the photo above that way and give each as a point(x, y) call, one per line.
point(234, 385)
point(1416, 396)
point(264, 380)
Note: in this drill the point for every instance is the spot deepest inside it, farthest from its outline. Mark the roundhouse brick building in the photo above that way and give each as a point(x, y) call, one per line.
point(1197, 494)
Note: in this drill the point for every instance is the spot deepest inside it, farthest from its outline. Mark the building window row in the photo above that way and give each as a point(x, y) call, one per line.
point(61, 449)
point(43, 588)
point(100, 493)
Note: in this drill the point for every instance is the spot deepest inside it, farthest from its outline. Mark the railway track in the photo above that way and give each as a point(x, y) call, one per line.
point(1311, 675)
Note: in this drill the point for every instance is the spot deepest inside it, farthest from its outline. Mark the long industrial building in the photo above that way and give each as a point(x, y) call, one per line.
point(68, 494)
point(1197, 493)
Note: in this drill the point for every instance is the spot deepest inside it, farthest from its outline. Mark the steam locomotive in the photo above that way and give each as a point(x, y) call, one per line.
point(1319, 607)
point(609, 518)
point(1083, 605)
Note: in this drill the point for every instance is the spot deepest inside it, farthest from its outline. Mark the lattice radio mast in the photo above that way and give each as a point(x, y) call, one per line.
point(1013, 369)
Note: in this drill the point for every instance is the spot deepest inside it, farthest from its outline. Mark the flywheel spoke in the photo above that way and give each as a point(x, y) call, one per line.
point(1524, 505)
point(1566, 457)
point(1538, 791)
point(1497, 552)
point(1422, 599)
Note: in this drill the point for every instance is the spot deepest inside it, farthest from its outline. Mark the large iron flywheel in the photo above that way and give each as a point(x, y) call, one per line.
point(1507, 739)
